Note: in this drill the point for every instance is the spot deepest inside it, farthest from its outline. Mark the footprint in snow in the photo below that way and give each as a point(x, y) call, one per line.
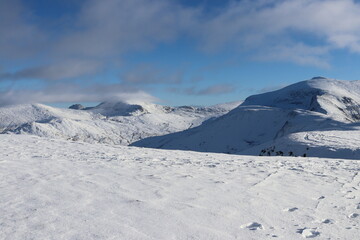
point(186, 176)
point(349, 195)
point(252, 226)
point(327, 221)
point(308, 232)
point(319, 198)
point(290, 209)
point(353, 215)
point(219, 182)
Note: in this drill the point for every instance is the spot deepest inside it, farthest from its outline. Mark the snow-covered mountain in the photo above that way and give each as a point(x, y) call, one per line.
point(339, 100)
point(109, 122)
point(264, 123)
point(58, 189)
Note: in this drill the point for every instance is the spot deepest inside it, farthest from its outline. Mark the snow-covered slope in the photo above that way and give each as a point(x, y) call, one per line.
point(337, 99)
point(56, 189)
point(329, 143)
point(118, 123)
point(315, 105)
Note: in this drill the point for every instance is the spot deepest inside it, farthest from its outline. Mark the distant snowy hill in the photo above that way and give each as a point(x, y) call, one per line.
point(117, 123)
point(264, 124)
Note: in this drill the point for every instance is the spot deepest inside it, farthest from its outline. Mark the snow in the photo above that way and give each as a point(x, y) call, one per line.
point(319, 118)
point(57, 189)
point(58, 182)
point(329, 144)
point(338, 99)
point(110, 122)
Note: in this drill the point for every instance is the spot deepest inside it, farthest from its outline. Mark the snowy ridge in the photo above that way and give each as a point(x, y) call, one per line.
point(337, 99)
point(111, 109)
point(315, 105)
point(109, 122)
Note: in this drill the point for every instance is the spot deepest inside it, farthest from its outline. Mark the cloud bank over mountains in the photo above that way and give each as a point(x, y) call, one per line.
point(96, 39)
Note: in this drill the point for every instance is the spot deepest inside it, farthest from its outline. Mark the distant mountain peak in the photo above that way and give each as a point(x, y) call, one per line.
point(77, 107)
point(335, 98)
point(108, 122)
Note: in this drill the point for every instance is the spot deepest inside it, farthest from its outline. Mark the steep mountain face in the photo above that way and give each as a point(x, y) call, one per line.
point(117, 123)
point(316, 104)
point(339, 100)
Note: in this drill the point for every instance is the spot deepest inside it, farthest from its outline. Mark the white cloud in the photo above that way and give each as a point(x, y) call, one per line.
point(65, 69)
point(105, 30)
point(301, 31)
point(112, 27)
point(75, 93)
point(150, 74)
point(261, 25)
point(217, 89)
point(297, 53)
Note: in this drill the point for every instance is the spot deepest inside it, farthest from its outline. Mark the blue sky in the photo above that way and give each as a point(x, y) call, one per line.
point(171, 52)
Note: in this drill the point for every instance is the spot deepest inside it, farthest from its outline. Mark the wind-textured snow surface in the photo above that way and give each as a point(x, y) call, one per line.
point(329, 144)
point(301, 119)
point(56, 189)
point(110, 122)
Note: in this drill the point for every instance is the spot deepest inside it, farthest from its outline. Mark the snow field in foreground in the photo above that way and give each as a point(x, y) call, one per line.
point(54, 189)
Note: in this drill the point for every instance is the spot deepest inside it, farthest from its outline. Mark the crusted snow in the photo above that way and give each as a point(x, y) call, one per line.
point(327, 143)
point(56, 189)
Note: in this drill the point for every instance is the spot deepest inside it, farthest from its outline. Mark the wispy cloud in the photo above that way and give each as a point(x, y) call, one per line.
point(271, 88)
point(217, 89)
point(150, 74)
point(75, 93)
point(59, 71)
point(116, 26)
point(298, 53)
point(19, 38)
point(267, 26)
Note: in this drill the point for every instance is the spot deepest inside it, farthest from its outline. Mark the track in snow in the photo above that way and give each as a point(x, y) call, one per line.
point(53, 189)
